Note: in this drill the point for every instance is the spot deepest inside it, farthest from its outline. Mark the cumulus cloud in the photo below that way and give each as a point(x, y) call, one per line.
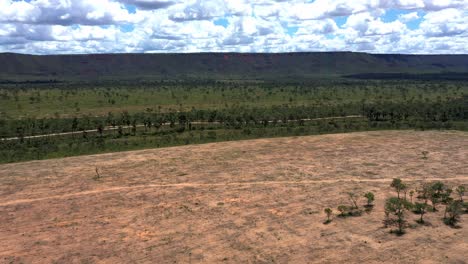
point(200, 10)
point(149, 4)
point(447, 22)
point(320, 27)
point(63, 12)
point(88, 26)
point(409, 17)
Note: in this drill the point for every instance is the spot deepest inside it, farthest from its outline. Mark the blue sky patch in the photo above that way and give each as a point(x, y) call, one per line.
point(221, 22)
point(131, 8)
point(292, 30)
point(127, 27)
point(394, 15)
point(340, 21)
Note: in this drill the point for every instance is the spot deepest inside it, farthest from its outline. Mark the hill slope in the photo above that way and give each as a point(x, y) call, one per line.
point(220, 65)
point(254, 201)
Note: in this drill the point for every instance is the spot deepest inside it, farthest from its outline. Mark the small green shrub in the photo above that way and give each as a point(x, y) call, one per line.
point(329, 213)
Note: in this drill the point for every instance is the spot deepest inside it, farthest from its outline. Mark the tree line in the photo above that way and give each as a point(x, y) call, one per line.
point(427, 114)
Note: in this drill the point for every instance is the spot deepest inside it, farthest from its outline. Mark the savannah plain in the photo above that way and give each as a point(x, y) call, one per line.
point(253, 201)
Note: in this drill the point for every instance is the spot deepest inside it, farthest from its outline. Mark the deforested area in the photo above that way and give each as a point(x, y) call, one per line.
point(244, 201)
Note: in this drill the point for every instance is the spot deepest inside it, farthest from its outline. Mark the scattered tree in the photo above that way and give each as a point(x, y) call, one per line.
point(421, 209)
point(397, 207)
point(328, 212)
point(454, 210)
point(398, 185)
point(446, 199)
point(387, 220)
point(425, 192)
point(97, 176)
point(460, 191)
point(370, 198)
point(134, 127)
point(353, 197)
point(74, 125)
point(100, 129)
point(435, 194)
point(120, 131)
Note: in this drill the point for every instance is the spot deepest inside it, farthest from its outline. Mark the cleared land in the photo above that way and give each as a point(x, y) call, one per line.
point(257, 201)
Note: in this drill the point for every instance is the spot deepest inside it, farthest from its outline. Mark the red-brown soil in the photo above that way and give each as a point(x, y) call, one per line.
point(257, 201)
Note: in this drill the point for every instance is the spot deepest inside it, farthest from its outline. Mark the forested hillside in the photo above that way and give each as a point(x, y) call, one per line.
point(18, 67)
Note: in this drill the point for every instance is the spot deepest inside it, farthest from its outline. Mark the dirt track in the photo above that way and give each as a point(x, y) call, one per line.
point(115, 128)
point(258, 201)
point(207, 185)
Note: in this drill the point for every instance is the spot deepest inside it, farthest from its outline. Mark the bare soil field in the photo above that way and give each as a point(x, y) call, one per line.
point(256, 201)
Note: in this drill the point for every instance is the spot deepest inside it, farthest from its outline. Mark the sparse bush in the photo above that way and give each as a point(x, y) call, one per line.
point(343, 209)
point(398, 185)
point(370, 198)
point(425, 192)
point(97, 176)
point(445, 198)
point(421, 209)
point(328, 212)
point(387, 220)
point(411, 194)
point(353, 198)
point(435, 194)
point(454, 211)
point(355, 212)
point(460, 191)
point(424, 154)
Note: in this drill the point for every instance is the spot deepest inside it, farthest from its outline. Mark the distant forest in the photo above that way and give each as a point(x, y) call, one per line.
point(50, 120)
point(228, 66)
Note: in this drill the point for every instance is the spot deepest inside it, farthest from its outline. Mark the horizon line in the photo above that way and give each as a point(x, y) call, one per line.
point(236, 53)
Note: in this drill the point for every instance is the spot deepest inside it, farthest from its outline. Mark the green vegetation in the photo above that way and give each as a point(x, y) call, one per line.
point(343, 209)
point(353, 210)
point(370, 198)
point(436, 193)
point(454, 210)
point(396, 208)
point(329, 213)
point(117, 116)
point(224, 66)
point(68, 100)
point(421, 209)
point(353, 198)
point(460, 191)
point(399, 186)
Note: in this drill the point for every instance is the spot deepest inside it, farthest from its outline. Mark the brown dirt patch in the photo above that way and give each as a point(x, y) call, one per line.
point(256, 201)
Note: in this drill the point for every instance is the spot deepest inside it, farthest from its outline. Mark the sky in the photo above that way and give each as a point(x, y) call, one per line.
point(182, 26)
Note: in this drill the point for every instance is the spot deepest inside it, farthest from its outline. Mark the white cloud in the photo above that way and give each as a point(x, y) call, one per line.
point(86, 26)
point(150, 4)
point(200, 10)
point(365, 24)
point(63, 12)
point(408, 17)
point(326, 26)
point(447, 22)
